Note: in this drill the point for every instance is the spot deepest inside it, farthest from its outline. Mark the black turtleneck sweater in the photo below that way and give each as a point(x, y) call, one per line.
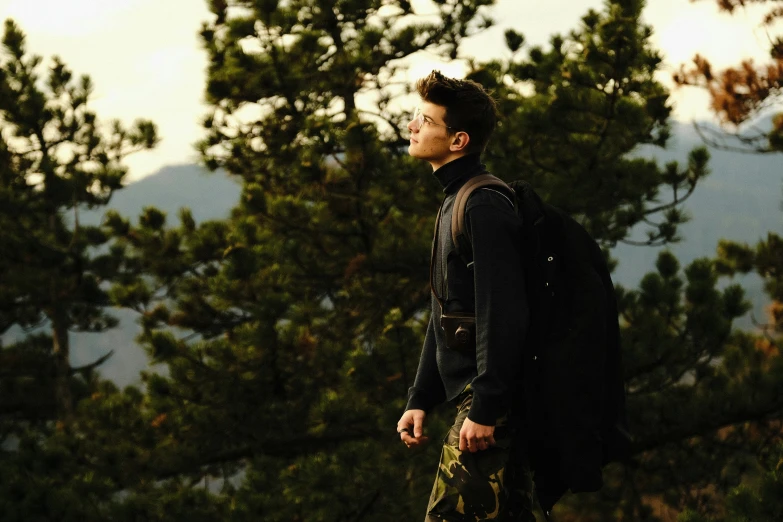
point(493, 287)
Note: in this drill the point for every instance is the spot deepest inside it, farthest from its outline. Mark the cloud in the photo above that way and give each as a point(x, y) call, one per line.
point(143, 56)
point(58, 18)
point(683, 29)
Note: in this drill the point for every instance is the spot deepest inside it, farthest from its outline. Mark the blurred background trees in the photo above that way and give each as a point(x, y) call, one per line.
point(283, 339)
point(747, 100)
point(56, 160)
point(741, 95)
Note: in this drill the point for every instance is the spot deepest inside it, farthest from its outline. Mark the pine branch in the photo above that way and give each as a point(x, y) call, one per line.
point(276, 448)
point(702, 425)
point(89, 367)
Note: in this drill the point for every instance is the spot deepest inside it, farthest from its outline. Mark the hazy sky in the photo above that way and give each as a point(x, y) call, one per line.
point(145, 58)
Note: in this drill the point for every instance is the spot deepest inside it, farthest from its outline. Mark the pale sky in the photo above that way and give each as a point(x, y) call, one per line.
point(146, 61)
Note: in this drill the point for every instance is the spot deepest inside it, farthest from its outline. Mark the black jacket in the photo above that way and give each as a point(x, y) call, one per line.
point(493, 286)
point(575, 399)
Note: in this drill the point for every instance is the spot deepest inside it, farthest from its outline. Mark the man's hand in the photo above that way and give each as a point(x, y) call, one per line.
point(411, 428)
point(475, 437)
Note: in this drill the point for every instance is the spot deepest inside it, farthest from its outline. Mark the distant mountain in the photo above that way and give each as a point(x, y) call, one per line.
point(740, 200)
point(208, 196)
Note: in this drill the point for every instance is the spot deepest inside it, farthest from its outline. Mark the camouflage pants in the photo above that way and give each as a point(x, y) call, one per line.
point(493, 484)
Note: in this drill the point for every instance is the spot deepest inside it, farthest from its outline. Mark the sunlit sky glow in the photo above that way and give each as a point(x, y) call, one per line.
point(145, 58)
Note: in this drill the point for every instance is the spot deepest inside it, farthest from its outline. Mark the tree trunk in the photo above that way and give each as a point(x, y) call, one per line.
point(62, 365)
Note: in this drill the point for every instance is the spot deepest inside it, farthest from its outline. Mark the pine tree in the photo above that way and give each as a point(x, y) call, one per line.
point(290, 332)
point(56, 160)
point(760, 502)
point(742, 93)
point(302, 316)
point(577, 137)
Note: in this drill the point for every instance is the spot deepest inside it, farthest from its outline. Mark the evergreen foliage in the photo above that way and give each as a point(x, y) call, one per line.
point(55, 160)
point(284, 338)
point(746, 92)
point(740, 95)
point(760, 502)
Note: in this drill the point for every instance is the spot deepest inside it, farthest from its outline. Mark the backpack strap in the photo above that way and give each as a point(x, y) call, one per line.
point(435, 235)
point(461, 203)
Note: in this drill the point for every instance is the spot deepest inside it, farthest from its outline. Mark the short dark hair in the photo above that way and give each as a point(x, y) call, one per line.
point(469, 107)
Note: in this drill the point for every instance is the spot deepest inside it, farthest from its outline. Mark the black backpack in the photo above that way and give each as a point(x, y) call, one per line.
point(572, 380)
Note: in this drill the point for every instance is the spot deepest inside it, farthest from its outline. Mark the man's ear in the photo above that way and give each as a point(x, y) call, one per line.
point(459, 141)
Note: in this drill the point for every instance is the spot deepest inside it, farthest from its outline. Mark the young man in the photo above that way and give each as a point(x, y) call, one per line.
point(482, 473)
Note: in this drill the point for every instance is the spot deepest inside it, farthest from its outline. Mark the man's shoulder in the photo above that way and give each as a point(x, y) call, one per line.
point(494, 196)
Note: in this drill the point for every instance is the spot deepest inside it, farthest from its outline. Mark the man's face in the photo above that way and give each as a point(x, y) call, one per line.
point(430, 136)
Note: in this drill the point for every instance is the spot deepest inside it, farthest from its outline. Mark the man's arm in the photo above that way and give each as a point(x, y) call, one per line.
point(502, 312)
point(426, 392)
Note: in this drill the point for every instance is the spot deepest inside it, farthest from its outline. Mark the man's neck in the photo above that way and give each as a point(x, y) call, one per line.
point(436, 166)
point(454, 173)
